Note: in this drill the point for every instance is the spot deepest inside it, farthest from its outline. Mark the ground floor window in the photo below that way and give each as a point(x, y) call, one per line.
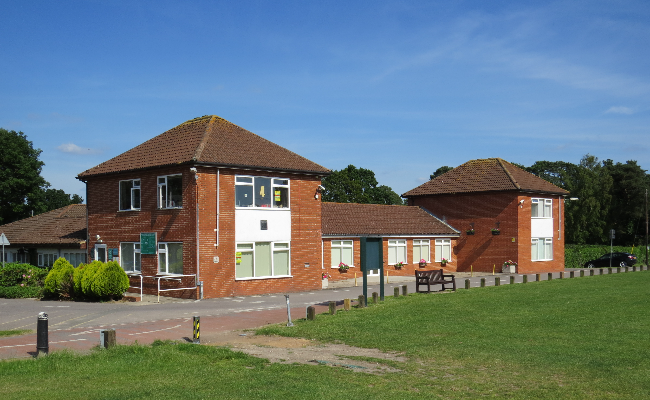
point(421, 250)
point(20, 256)
point(341, 253)
point(170, 258)
point(75, 258)
point(130, 256)
point(396, 251)
point(47, 259)
point(541, 249)
point(443, 249)
point(262, 260)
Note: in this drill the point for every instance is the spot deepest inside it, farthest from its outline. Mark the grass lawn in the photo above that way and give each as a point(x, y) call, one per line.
point(571, 338)
point(14, 333)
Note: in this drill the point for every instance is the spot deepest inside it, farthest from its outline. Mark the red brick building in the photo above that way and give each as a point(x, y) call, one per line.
point(226, 208)
point(409, 235)
point(503, 212)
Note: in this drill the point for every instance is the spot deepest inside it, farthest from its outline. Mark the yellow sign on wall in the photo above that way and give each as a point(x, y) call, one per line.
point(238, 257)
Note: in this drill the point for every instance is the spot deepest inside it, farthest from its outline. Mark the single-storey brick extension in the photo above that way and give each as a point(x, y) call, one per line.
point(503, 212)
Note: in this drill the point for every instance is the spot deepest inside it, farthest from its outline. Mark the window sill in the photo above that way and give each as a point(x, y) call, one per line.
point(133, 209)
point(264, 208)
point(170, 208)
point(257, 278)
point(337, 267)
point(550, 259)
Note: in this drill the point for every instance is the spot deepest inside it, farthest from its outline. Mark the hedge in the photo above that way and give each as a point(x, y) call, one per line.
point(20, 292)
point(575, 256)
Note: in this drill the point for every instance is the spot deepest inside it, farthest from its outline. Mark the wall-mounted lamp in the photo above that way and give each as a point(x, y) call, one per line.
point(99, 238)
point(521, 203)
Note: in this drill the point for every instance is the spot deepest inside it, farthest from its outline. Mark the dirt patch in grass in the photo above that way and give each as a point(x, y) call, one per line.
point(287, 350)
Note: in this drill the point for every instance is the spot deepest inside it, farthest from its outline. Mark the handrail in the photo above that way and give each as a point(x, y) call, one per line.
point(173, 278)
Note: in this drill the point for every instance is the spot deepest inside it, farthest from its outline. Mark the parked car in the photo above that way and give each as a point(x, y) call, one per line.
point(618, 260)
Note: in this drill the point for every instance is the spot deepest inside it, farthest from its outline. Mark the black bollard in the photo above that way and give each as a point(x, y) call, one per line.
point(42, 341)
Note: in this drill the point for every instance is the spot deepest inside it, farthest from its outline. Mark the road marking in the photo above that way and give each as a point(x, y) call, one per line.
point(157, 330)
point(33, 344)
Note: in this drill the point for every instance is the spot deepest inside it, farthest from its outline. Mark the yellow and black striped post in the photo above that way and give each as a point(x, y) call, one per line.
point(196, 334)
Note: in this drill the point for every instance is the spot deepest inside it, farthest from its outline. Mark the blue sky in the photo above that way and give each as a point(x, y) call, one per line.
point(398, 87)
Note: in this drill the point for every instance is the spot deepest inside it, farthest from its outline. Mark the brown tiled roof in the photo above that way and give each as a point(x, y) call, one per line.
point(207, 140)
point(486, 175)
point(66, 225)
point(351, 219)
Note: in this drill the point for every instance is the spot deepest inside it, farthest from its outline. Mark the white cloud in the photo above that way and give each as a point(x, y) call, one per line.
point(74, 149)
point(620, 110)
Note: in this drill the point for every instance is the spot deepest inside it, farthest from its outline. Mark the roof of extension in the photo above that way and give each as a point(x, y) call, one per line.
point(485, 175)
point(209, 140)
point(66, 225)
point(351, 219)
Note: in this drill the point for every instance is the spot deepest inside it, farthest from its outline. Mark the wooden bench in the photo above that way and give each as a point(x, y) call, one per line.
point(433, 277)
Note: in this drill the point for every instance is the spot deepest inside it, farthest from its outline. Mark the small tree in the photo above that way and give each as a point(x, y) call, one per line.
point(88, 277)
point(110, 281)
point(59, 282)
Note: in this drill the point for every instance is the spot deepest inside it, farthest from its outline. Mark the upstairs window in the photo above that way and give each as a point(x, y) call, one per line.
point(130, 195)
point(261, 192)
point(541, 249)
point(541, 208)
point(170, 191)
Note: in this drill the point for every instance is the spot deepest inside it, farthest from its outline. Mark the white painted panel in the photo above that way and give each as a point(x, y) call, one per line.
point(541, 227)
point(247, 225)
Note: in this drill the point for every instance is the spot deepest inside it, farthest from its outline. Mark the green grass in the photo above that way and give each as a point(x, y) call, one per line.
point(571, 338)
point(14, 333)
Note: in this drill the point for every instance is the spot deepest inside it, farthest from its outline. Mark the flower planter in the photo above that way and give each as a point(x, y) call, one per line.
point(469, 233)
point(509, 269)
point(423, 265)
point(496, 233)
point(325, 283)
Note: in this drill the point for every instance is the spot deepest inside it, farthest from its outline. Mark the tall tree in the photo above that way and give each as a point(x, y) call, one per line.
point(23, 190)
point(440, 171)
point(357, 185)
point(21, 183)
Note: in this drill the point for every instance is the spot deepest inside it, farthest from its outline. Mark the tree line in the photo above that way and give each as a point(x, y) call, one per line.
point(23, 191)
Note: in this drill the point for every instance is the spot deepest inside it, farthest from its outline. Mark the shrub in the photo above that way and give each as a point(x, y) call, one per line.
point(575, 256)
point(76, 279)
point(59, 282)
point(20, 292)
point(88, 276)
point(110, 281)
point(15, 274)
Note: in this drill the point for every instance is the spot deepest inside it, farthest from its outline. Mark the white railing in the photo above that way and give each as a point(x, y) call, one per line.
point(158, 278)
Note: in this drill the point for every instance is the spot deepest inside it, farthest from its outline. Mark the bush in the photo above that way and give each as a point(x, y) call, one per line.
point(15, 274)
point(88, 276)
point(59, 282)
point(110, 281)
point(21, 292)
point(575, 256)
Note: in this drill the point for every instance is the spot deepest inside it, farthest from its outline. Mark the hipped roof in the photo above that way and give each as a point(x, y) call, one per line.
point(351, 219)
point(208, 140)
point(66, 225)
point(485, 175)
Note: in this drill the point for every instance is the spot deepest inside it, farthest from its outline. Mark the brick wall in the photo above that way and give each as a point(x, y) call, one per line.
point(484, 251)
point(216, 205)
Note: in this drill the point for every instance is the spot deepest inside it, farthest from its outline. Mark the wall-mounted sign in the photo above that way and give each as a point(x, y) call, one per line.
point(148, 243)
point(238, 257)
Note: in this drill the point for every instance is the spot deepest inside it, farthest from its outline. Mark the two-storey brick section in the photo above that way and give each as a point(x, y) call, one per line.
point(503, 212)
point(234, 211)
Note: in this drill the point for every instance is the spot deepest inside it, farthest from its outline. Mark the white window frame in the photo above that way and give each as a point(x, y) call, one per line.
point(101, 246)
point(79, 257)
point(338, 246)
point(547, 249)
point(398, 245)
point(47, 258)
point(163, 248)
point(135, 187)
point(274, 249)
point(544, 208)
point(443, 243)
point(276, 183)
point(420, 243)
point(163, 188)
point(137, 259)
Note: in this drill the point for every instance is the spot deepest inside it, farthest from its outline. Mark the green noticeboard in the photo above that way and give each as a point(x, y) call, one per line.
point(148, 243)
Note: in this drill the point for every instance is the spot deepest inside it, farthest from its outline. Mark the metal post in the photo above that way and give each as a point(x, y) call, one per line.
point(289, 323)
point(42, 342)
point(196, 334)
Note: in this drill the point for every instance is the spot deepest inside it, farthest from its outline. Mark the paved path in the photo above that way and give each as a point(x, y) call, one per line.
point(76, 325)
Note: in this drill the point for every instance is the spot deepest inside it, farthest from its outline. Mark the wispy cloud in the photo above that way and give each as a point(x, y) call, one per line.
point(74, 149)
point(620, 110)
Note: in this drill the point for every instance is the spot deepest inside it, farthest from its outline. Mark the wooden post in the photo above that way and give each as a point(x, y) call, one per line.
point(601, 271)
point(108, 338)
point(362, 301)
point(571, 274)
point(591, 272)
point(396, 291)
point(582, 273)
point(538, 277)
point(346, 304)
point(311, 313)
point(467, 284)
point(562, 275)
point(497, 281)
point(609, 270)
point(550, 276)
point(332, 308)
point(375, 297)
point(512, 280)
point(482, 282)
point(405, 290)
point(525, 279)
point(618, 270)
